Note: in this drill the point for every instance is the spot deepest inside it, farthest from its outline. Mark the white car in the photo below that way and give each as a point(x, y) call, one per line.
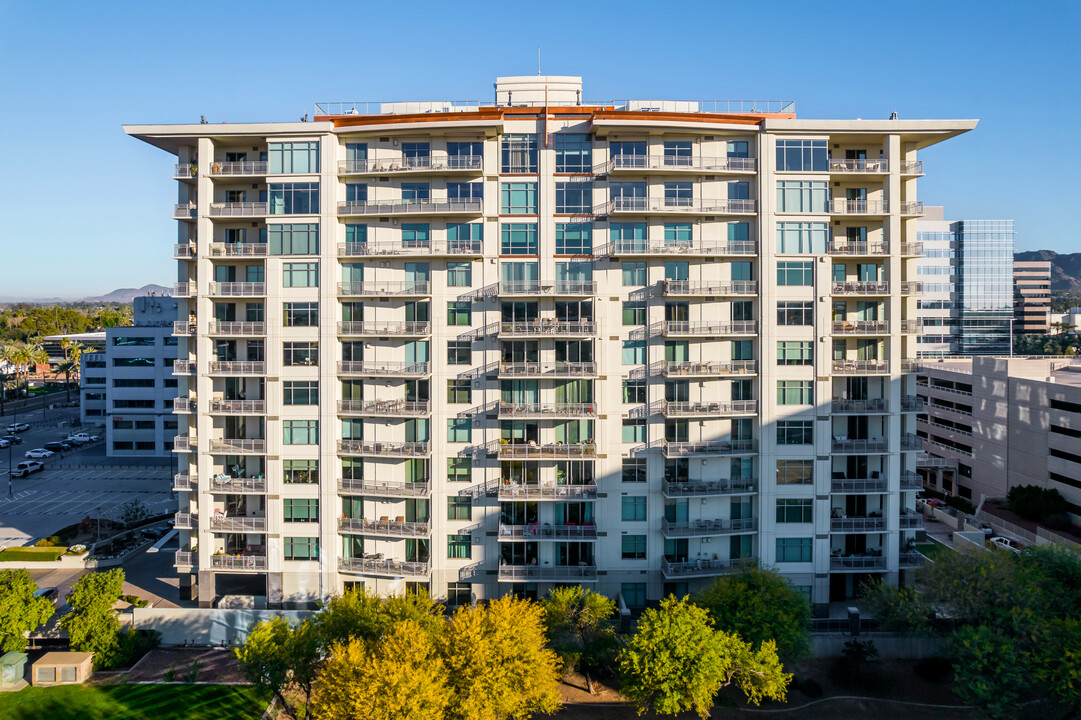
point(82, 437)
point(4, 443)
point(1007, 544)
point(76, 440)
point(39, 453)
point(17, 427)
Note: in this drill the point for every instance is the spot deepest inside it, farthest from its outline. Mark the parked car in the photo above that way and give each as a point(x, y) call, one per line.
point(83, 437)
point(13, 439)
point(75, 440)
point(48, 593)
point(58, 446)
point(4, 443)
point(26, 468)
point(18, 427)
point(38, 453)
point(1007, 544)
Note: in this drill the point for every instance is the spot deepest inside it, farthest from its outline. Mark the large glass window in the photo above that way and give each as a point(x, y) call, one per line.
point(356, 192)
point(459, 508)
point(459, 352)
point(297, 275)
point(294, 198)
point(459, 430)
point(574, 153)
point(796, 352)
point(634, 352)
point(459, 274)
point(627, 237)
point(459, 312)
point(459, 547)
point(518, 239)
point(633, 508)
point(293, 157)
point(574, 239)
point(459, 469)
point(301, 314)
point(416, 192)
point(300, 471)
point(416, 154)
point(634, 274)
point(300, 353)
point(459, 392)
point(795, 432)
point(518, 198)
point(795, 274)
point(464, 236)
point(465, 191)
point(300, 432)
point(301, 548)
point(793, 550)
point(465, 154)
point(356, 233)
point(795, 392)
point(794, 313)
point(677, 234)
point(300, 392)
point(633, 547)
point(518, 154)
point(298, 239)
point(794, 510)
point(633, 470)
point(803, 196)
point(802, 156)
point(795, 238)
point(416, 235)
point(574, 198)
point(634, 431)
point(795, 472)
point(301, 509)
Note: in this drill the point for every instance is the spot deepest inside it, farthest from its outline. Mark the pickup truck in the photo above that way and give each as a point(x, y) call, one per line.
point(26, 468)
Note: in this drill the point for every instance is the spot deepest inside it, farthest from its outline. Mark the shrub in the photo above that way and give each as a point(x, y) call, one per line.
point(130, 647)
point(51, 541)
point(1034, 502)
point(191, 673)
point(134, 600)
point(170, 675)
point(935, 670)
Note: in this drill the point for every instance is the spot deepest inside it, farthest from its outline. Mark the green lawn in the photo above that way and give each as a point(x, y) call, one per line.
point(135, 702)
point(933, 550)
point(32, 554)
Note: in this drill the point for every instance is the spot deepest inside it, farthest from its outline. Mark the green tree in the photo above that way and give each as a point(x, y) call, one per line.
point(400, 677)
point(92, 624)
point(990, 671)
point(579, 628)
point(278, 655)
point(497, 664)
point(760, 605)
point(361, 615)
point(20, 611)
point(676, 661)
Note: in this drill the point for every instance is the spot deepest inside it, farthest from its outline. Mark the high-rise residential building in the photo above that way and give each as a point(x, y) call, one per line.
point(966, 305)
point(1032, 296)
point(129, 386)
point(492, 347)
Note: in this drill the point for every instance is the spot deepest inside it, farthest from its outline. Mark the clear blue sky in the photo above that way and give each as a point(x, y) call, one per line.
point(88, 209)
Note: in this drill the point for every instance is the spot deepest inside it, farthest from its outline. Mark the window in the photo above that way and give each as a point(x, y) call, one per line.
point(302, 548)
point(795, 392)
point(459, 391)
point(634, 352)
point(416, 235)
point(300, 471)
point(133, 383)
point(634, 547)
point(300, 392)
point(465, 154)
point(300, 432)
point(301, 314)
point(459, 469)
point(133, 404)
point(459, 352)
point(633, 470)
point(794, 352)
point(634, 274)
point(574, 239)
point(737, 149)
point(459, 547)
point(356, 234)
point(795, 274)
point(416, 192)
point(794, 313)
point(518, 198)
point(356, 192)
point(300, 353)
point(677, 153)
point(794, 510)
point(121, 341)
point(796, 196)
point(459, 430)
point(634, 431)
point(46, 674)
point(519, 239)
point(634, 312)
point(634, 392)
point(802, 156)
point(416, 154)
point(794, 237)
point(294, 198)
point(459, 274)
point(627, 237)
point(634, 594)
point(795, 472)
point(678, 194)
point(300, 274)
point(133, 362)
point(464, 236)
point(292, 157)
point(793, 550)
point(634, 508)
point(574, 198)
point(574, 153)
point(460, 313)
point(465, 191)
point(795, 432)
point(459, 508)
point(518, 154)
point(677, 234)
point(301, 509)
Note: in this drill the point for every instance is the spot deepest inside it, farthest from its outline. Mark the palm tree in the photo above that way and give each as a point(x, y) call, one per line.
point(7, 360)
point(73, 350)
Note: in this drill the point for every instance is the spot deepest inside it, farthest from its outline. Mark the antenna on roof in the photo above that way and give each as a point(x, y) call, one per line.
point(893, 115)
point(538, 60)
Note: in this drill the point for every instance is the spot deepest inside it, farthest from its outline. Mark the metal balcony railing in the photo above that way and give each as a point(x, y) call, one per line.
point(707, 528)
point(384, 328)
point(238, 562)
point(700, 247)
point(547, 326)
point(185, 171)
point(677, 163)
point(857, 524)
point(376, 368)
point(861, 287)
point(184, 211)
point(912, 249)
point(546, 531)
point(227, 484)
point(384, 408)
point(735, 327)
point(525, 491)
point(384, 567)
point(469, 206)
point(700, 567)
point(185, 521)
point(183, 327)
point(671, 205)
point(556, 369)
point(384, 527)
point(706, 409)
point(912, 208)
point(856, 248)
point(379, 289)
point(184, 558)
point(408, 248)
point(238, 249)
point(236, 328)
point(687, 287)
point(238, 289)
point(428, 163)
point(676, 368)
point(183, 405)
point(385, 488)
point(913, 167)
point(859, 485)
point(861, 327)
point(910, 520)
point(238, 209)
point(543, 573)
point(864, 445)
point(858, 562)
point(381, 448)
point(842, 206)
point(544, 410)
point(228, 523)
point(910, 559)
point(911, 443)
point(237, 367)
point(239, 168)
point(575, 287)
point(869, 166)
point(184, 482)
point(549, 451)
point(184, 289)
point(860, 367)
point(245, 446)
point(184, 443)
point(911, 481)
point(704, 488)
point(911, 287)
point(184, 251)
point(709, 448)
point(238, 407)
point(876, 406)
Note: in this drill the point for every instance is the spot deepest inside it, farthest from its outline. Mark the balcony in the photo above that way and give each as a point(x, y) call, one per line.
point(911, 481)
point(184, 482)
point(911, 326)
point(375, 368)
point(183, 406)
point(859, 486)
point(238, 249)
point(841, 206)
point(185, 443)
point(384, 527)
point(698, 568)
point(547, 410)
point(880, 166)
point(185, 521)
point(222, 484)
point(184, 211)
point(184, 251)
point(912, 249)
point(638, 164)
point(911, 443)
point(675, 368)
point(547, 327)
point(550, 370)
point(861, 287)
point(861, 367)
point(238, 367)
point(384, 408)
point(709, 448)
point(858, 249)
point(708, 488)
point(864, 446)
point(236, 328)
point(857, 563)
point(710, 329)
point(519, 287)
point(911, 520)
point(471, 164)
point(914, 167)
point(385, 488)
point(703, 289)
point(858, 524)
point(873, 406)
point(910, 559)
point(456, 248)
point(184, 290)
point(182, 328)
point(238, 562)
point(238, 209)
point(185, 171)
point(378, 566)
point(383, 289)
point(220, 522)
point(946, 430)
point(379, 448)
point(914, 209)
point(535, 532)
point(911, 287)
point(622, 248)
point(525, 491)
point(861, 327)
point(543, 573)
point(238, 446)
point(237, 407)
point(239, 168)
point(385, 328)
point(550, 451)
point(183, 558)
point(708, 528)
point(468, 206)
point(675, 206)
point(237, 289)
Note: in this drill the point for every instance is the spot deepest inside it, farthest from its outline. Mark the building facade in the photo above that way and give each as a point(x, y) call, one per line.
point(1032, 296)
point(130, 387)
point(499, 346)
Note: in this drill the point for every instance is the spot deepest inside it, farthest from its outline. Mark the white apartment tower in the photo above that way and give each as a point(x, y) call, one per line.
point(491, 347)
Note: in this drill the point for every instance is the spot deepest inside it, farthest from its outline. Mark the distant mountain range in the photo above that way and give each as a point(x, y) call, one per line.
point(125, 295)
point(1065, 269)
